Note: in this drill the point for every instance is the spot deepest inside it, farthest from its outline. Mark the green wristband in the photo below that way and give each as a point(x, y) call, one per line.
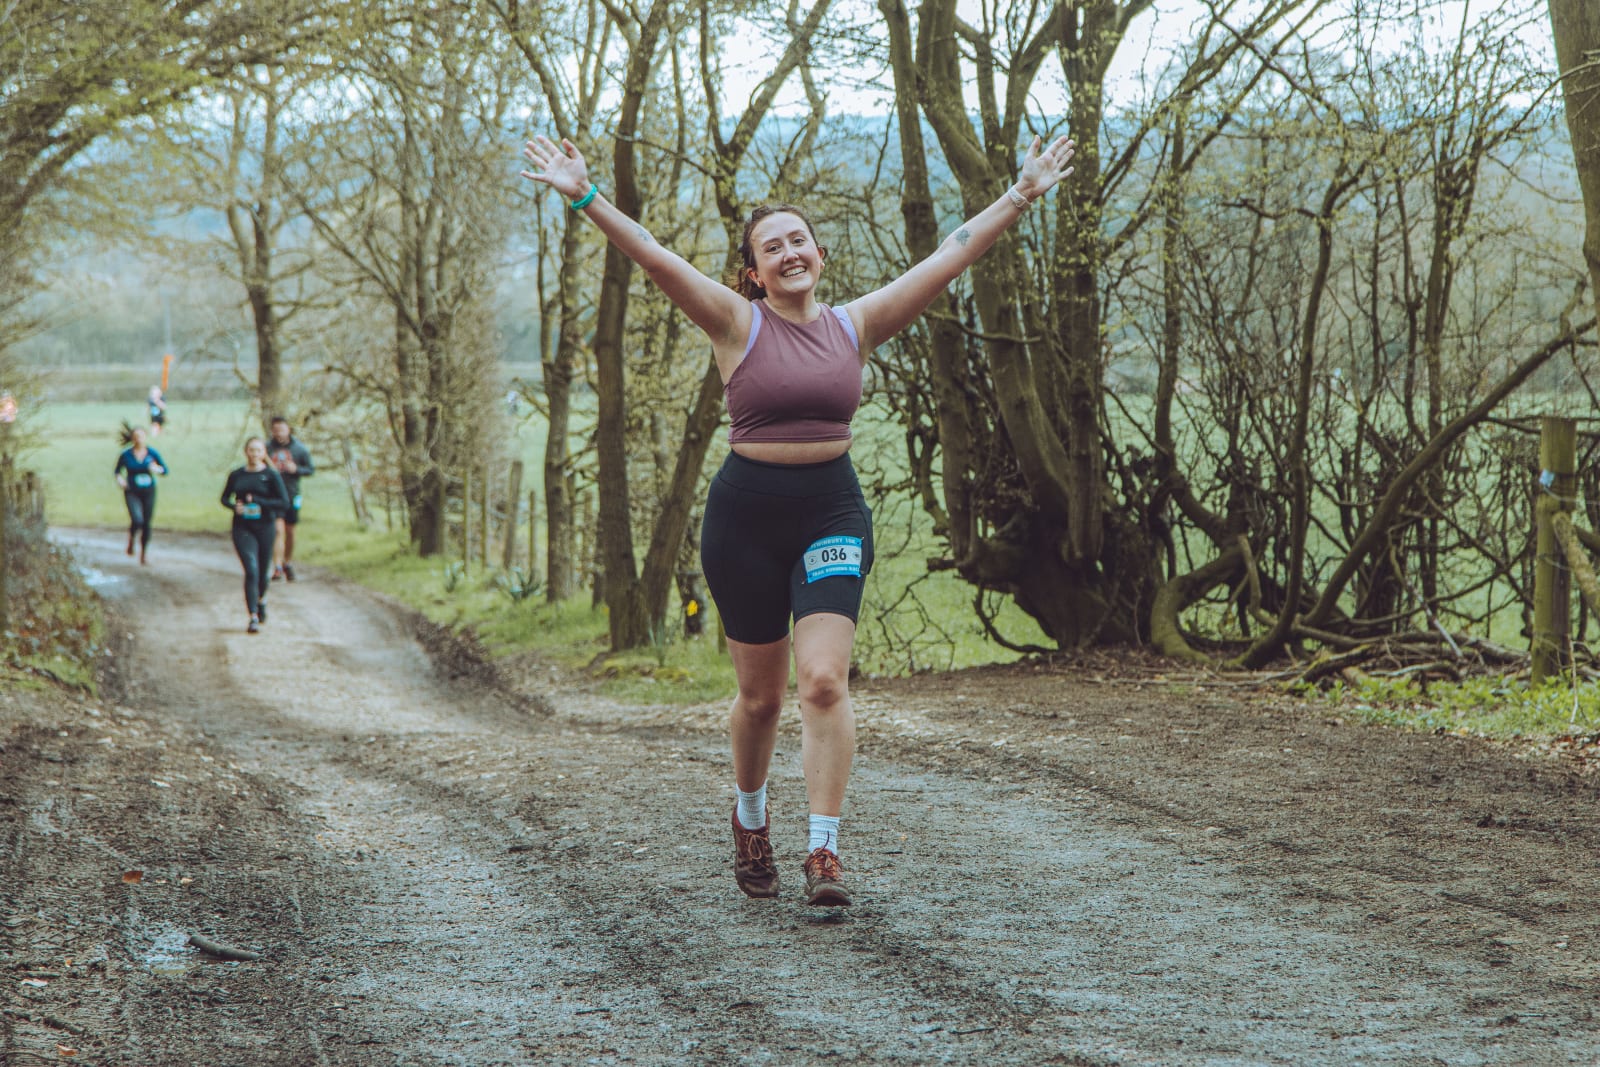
point(594, 191)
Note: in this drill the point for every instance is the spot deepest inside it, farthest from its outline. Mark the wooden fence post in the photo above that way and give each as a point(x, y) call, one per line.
point(1552, 588)
point(513, 501)
point(358, 497)
point(533, 532)
point(580, 536)
point(483, 519)
point(5, 511)
point(466, 520)
point(596, 553)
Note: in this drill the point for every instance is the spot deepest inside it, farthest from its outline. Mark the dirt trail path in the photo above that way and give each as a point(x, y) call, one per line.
point(1048, 870)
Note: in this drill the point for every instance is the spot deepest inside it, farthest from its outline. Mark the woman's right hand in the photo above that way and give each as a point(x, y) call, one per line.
point(562, 168)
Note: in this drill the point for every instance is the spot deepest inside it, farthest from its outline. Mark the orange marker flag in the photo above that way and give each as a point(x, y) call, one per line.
point(166, 368)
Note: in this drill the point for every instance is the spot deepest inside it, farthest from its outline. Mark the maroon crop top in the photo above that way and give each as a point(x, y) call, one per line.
point(797, 381)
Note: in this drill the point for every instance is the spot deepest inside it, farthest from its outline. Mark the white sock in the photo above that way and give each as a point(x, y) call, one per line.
point(825, 833)
point(752, 807)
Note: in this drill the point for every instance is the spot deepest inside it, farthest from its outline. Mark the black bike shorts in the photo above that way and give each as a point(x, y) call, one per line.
point(784, 540)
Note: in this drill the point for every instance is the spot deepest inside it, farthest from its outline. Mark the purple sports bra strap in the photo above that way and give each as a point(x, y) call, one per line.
point(844, 320)
point(755, 328)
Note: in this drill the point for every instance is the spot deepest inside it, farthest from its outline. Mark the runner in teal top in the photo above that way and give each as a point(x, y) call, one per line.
point(136, 472)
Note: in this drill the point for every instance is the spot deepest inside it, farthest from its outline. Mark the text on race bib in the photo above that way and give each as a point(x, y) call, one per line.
point(833, 557)
point(143, 480)
point(251, 511)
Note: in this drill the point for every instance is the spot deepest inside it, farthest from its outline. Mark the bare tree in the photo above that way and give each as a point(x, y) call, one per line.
point(1087, 508)
point(57, 63)
point(1403, 374)
point(413, 202)
point(239, 171)
point(1030, 513)
point(566, 316)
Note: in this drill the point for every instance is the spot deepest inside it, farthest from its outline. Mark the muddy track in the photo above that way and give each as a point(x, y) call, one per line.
point(460, 865)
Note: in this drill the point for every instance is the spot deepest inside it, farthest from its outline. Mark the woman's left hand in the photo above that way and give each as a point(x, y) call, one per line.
point(1042, 170)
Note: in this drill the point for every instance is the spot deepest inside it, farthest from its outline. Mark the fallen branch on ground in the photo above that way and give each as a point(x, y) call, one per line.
point(221, 951)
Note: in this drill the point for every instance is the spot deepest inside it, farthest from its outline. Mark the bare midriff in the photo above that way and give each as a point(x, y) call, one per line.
point(792, 451)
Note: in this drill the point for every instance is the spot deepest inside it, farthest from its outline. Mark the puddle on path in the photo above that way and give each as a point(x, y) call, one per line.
point(95, 578)
point(170, 954)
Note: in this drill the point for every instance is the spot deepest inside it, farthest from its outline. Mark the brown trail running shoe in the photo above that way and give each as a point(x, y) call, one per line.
point(825, 880)
point(753, 867)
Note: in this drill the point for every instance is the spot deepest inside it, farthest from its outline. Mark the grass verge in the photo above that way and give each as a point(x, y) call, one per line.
point(1493, 706)
point(54, 629)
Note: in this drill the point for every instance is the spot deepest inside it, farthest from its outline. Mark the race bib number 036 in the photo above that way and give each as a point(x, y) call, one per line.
point(833, 557)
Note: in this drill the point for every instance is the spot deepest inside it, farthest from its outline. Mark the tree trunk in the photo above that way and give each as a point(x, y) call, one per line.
point(1271, 642)
point(947, 352)
point(628, 614)
point(561, 572)
point(269, 360)
point(1576, 27)
point(1043, 349)
point(252, 227)
point(677, 505)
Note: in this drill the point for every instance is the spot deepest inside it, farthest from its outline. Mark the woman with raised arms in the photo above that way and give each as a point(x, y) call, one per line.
point(787, 539)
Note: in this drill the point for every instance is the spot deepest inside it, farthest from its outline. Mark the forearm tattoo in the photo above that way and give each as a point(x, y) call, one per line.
point(643, 234)
point(962, 236)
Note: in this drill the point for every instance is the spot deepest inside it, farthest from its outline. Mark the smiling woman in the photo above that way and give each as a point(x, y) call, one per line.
point(787, 539)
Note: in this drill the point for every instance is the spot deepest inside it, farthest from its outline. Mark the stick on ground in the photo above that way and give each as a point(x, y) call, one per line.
point(221, 951)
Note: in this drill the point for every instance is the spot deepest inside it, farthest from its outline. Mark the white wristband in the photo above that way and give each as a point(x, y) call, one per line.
point(1022, 202)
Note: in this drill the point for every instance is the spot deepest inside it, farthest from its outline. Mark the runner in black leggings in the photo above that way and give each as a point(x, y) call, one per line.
point(787, 540)
point(255, 495)
point(136, 472)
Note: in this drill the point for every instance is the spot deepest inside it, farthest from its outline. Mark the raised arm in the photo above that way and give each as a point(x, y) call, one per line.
point(723, 314)
point(884, 312)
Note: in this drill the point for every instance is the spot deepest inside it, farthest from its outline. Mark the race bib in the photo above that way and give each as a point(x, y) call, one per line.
point(251, 511)
point(833, 557)
point(144, 480)
point(297, 501)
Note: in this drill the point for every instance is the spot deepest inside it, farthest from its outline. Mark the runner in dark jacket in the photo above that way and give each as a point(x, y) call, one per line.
point(255, 495)
point(293, 462)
